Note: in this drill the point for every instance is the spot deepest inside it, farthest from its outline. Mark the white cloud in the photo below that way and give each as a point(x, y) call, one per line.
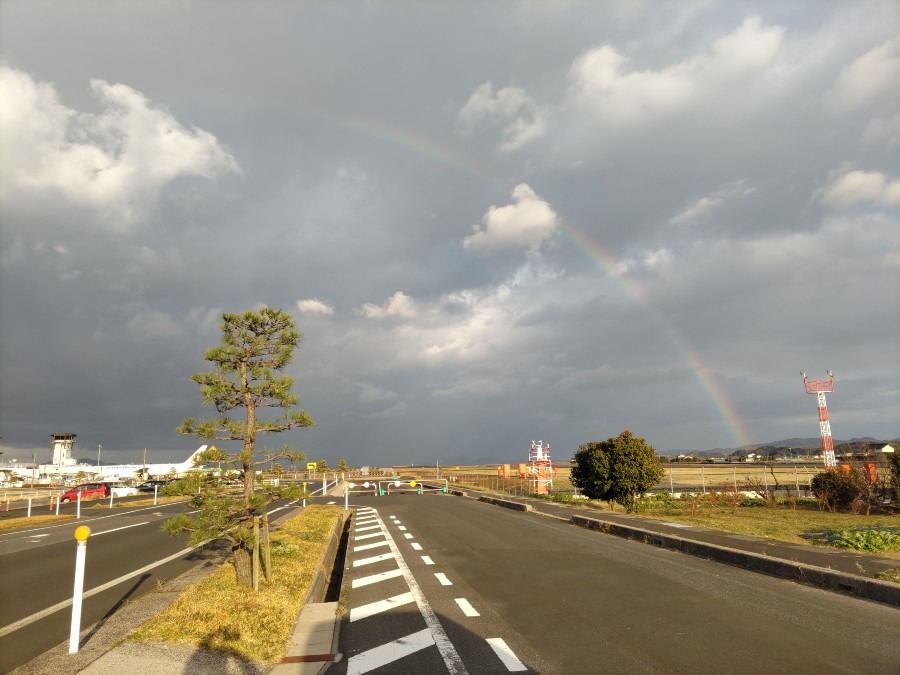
point(394, 411)
point(114, 163)
point(522, 119)
point(601, 82)
point(529, 223)
point(883, 131)
point(861, 82)
point(704, 206)
point(369, 393)
point(854, 187)
point(206, 321)
point(314, 306)
point(398, 305)
point(152, 324)
point(465, 387)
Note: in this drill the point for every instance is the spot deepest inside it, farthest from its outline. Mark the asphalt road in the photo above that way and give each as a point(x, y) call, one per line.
point(37, 572)
point(567, 600)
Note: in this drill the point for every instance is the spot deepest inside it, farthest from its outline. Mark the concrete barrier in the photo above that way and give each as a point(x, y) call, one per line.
point(506, 503)
point(863, 587)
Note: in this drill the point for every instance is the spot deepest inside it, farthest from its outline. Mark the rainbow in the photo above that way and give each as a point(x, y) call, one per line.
point(451, 156)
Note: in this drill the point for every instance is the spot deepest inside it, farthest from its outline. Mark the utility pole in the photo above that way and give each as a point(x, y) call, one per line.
point(33, 470)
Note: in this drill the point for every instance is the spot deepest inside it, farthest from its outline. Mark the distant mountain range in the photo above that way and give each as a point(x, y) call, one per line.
point(814, 443)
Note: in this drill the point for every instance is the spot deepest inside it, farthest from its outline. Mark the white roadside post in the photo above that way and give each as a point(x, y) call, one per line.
point(58, 500)
point(155, 493)
point(111, 493)
point(304, 495)
point(78, 510)
point(29, 507)
point(346, 496)
point(324, 488)
point(81, 536)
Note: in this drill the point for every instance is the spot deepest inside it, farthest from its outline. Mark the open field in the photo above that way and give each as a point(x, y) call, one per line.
point(678, 477)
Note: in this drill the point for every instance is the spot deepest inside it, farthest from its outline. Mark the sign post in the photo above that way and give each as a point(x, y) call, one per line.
point(81, 536)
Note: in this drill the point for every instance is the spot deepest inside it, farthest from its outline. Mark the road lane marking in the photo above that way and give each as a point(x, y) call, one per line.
point(124, 527)
point(416, 547)
point(408, 535)
point(443, 579)
point(368, 536)
point(375, 578)
point(427, 560)
point(373, 559)
point(366, 547)
point(388, 653)
point(362, 612)
point(505, 654)
point(466, 607)
point(37, 616)
point(402, 528)
point(367, 528)
point(452, 659)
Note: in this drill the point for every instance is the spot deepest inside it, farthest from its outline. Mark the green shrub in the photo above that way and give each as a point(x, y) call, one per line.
point(870, 540)
point(835, 489)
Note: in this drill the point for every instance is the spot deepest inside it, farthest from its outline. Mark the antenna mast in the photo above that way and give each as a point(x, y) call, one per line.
point(820, 388)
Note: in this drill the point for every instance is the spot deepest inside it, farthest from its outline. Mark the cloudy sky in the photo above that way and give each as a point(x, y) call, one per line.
point(493, 222)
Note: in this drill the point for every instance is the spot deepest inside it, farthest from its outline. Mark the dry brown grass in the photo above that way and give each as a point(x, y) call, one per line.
point(34, 521)
point(218, 615)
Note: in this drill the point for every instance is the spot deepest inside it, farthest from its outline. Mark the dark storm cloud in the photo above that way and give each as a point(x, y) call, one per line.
point(494, 223)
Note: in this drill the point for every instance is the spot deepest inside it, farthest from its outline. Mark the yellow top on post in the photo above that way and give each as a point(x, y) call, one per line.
point(82, 533)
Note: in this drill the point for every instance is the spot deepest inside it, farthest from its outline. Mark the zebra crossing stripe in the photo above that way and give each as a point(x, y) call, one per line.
point(375, 578)
point(373, 559)
point(366, 547)
point(358, 613)
point(388, 653)
point(368, 536)
point(368, 527)
point(505, 654)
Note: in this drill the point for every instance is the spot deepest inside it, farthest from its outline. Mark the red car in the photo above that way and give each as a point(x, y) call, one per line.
point(88, 491)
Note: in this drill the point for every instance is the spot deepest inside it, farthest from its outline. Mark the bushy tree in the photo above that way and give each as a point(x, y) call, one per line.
point(342, 466)
point(894, 462)
point(322, 466)
point(835, 489)
point(256, 347)
point(617, 469)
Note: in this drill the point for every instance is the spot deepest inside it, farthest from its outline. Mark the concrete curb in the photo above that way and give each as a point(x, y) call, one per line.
point(863, 587)
point(507, 504)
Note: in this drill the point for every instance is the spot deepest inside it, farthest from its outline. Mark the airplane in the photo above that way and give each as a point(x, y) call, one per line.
point(130, 471)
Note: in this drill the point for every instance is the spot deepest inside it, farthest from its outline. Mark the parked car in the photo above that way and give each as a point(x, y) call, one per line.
point(151, 485)
point(100, 490)
point(88, 491)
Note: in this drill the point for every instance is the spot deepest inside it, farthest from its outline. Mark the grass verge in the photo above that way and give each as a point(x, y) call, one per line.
point(34, 521)
point(218, 615)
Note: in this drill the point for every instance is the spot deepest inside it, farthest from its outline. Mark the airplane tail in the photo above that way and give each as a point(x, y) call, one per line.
point(189, 462)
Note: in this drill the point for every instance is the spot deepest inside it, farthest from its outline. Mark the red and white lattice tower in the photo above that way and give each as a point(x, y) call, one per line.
point(820, 388)
point(541, 468)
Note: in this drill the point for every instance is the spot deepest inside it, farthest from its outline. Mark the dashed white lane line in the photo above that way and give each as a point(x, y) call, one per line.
point(373, 559)
point(427, 560)
point(408, 535)
point(368, 536)
point(362, 612)
point(505, 654)
point(124, 527)
point(388, 653)
point(466, 607)
point(416, 547)
point(438, 635)
point(402, 528)
point(366, 547)
point(443, 579)
point(375, 578)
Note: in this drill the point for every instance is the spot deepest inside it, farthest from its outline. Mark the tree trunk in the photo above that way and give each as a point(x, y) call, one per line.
point(243, 566)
